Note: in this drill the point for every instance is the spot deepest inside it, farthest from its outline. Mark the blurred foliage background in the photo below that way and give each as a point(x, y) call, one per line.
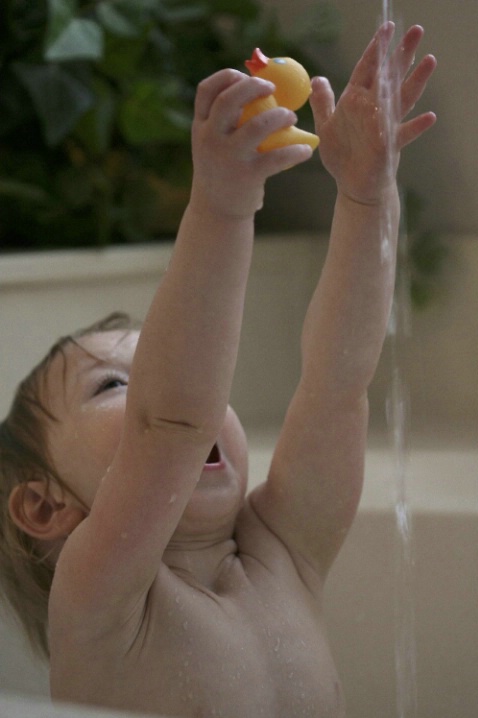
point(96, 108)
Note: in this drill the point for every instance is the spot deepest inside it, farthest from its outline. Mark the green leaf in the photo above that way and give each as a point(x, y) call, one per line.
point(15, 107)
point(420, 293)
point(413, 209)
point(80, 40)
point(23, 23)
point(28, 167)
point(243, 9)
point(427, 253)
point(121, 56)
point(121, 18)
point(95, 128)
point(60, 99)
point(22, 191)
point(185, 14)
point(149, 114)
point(60, 15)
point(69, 37)
point(75, 186)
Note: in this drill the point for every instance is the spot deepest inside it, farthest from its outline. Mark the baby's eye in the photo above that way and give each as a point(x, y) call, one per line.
point(110, 383)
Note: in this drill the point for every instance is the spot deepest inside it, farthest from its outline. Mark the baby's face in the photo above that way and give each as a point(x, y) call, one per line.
point(87, 393)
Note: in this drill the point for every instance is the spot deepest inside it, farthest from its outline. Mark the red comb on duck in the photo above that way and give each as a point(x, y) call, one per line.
point(257, 62)
point(292, 90)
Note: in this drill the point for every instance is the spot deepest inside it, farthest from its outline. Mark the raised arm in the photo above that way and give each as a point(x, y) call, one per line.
point(316, 475)
point(183, 366)
point(187, 352)
point(186, 355)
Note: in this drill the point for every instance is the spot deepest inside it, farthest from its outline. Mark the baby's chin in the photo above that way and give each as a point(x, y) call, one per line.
point(213, 507)
point(196, 530)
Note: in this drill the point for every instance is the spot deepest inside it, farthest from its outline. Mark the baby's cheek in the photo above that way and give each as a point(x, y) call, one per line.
point(96, 443)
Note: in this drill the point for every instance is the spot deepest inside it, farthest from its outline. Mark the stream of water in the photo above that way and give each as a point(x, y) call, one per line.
point(398, 420)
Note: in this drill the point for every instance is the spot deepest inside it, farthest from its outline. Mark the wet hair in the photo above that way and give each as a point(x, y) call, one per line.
point(26, 573)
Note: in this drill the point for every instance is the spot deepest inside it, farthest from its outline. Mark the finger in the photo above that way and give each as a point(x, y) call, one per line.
point(403, 56)
point(366, 69)
point(227, 108)
point(211, 87)
point(283, 158)
point(415, 84)
point(411, 130)
point(322, 101)
point(259, 127)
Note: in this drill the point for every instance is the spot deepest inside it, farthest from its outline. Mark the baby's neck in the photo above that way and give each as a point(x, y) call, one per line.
point(200, 562)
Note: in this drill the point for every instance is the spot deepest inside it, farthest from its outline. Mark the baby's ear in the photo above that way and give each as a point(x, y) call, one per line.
point(36, 510)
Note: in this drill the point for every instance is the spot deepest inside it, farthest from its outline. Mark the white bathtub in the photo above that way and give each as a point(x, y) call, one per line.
point(442, 486)
point(43, 299)
point(443, 493)
point(443, 489)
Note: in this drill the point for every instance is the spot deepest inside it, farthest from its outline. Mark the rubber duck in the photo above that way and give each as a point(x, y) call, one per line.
point(292, 91)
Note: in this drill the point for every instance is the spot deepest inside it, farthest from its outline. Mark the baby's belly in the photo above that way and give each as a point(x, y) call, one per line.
point(197, 656)
point(250, 671)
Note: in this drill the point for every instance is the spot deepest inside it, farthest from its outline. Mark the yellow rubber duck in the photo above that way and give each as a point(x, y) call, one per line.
point(292, 91)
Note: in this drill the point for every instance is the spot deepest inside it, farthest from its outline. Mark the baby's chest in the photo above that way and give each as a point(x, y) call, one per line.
point(240, 662)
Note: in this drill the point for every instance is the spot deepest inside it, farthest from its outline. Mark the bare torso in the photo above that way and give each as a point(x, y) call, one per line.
point(252, 644)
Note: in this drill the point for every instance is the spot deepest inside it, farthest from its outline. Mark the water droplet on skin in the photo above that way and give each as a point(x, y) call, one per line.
point(173, 498)
point(277, 645)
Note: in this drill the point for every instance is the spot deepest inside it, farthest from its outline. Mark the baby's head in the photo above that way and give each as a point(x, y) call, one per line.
point(31, 485)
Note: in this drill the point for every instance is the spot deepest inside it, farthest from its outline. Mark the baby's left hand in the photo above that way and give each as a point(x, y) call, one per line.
point(229, 172)
point(360, 143)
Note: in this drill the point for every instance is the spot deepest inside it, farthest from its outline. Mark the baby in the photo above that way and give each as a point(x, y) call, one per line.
point(172, 592)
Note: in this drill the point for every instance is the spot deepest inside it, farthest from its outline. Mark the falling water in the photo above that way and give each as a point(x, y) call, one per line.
point(398, 424)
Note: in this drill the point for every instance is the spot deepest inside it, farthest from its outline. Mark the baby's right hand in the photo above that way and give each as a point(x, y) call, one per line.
point(360, 140)
point(229, 172)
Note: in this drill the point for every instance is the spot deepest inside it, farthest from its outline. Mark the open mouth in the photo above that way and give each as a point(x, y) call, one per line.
point(214, 458)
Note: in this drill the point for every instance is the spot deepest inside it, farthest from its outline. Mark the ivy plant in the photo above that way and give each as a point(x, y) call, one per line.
point(426, 253)
point(96, 107)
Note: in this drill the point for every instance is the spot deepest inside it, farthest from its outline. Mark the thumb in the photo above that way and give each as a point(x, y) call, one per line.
point(322, 101)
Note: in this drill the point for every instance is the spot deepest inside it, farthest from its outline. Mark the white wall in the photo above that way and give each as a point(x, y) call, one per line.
point(439, 358)
point(443, 165)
